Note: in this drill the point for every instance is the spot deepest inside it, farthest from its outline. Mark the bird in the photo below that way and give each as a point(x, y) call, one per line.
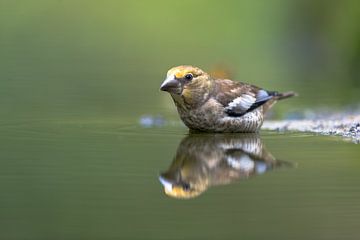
point(205, 160)
point(206, 104)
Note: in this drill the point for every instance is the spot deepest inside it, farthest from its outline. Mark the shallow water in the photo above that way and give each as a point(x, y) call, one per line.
point(98, 179)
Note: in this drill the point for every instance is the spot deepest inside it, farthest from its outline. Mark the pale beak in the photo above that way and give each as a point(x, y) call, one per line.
point(166, 183)
point(171, 85)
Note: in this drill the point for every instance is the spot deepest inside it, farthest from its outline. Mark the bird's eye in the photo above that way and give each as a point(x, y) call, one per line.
point(186, 186)
point(189, 76)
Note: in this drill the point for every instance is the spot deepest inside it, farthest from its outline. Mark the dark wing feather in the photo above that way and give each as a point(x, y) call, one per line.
point(240, 98)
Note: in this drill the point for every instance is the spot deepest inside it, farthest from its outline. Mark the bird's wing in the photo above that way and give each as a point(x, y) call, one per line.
point(238, 159)
point(240, 98)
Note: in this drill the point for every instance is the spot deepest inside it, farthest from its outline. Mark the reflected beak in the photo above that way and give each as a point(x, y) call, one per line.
point(171, 85)
point(173, 190)
point(166, 183)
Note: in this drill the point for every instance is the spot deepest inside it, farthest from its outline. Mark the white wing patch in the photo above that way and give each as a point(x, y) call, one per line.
point(262, 94)
point(244, 163)
point(241, 104)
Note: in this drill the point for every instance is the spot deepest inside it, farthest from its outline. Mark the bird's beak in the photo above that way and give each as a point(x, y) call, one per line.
point(173, 190)
point(166, 183)
point(171, 85)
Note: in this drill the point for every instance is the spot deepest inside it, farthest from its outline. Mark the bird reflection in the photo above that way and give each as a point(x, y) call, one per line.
point(204, 160)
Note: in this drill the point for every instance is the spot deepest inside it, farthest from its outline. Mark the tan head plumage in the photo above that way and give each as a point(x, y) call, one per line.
point(187, 84)
point(181, 71)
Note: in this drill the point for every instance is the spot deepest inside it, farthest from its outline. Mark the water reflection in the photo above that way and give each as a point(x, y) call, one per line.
point(202, 161)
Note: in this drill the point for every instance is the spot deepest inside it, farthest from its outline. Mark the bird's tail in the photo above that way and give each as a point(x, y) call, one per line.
point(277, 96)
point(280, 96)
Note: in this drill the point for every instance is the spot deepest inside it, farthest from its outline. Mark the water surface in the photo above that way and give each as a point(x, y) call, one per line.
point(99, 179)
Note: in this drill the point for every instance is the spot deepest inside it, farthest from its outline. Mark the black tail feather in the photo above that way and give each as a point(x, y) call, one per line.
point(284, 95)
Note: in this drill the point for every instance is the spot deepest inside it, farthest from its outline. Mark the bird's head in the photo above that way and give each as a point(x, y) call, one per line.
point(185, 81)
point(181, 189)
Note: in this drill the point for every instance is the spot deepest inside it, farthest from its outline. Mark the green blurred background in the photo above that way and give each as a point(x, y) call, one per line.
point(89, 58)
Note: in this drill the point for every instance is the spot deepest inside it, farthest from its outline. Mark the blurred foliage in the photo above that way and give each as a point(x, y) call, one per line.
point(69, 58)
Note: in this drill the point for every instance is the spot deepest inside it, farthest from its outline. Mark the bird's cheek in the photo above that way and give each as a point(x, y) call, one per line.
point(177, 192)
point(186, 93)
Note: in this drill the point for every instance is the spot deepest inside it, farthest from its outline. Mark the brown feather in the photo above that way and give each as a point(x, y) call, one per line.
point(228, 90)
